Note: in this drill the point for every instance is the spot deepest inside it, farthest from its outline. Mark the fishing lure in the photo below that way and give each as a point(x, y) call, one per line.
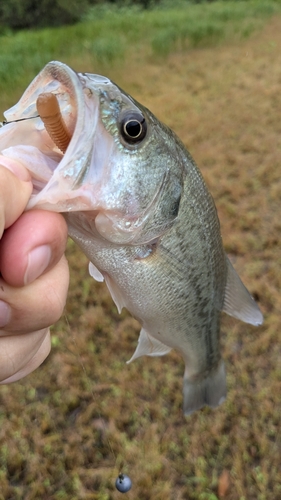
point(50, 114)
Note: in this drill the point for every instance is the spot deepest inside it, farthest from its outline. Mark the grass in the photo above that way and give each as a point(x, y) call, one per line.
point(109, 34)
point(67, 429)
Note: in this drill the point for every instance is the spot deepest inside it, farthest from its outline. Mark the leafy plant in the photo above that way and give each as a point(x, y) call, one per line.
point(18, 14)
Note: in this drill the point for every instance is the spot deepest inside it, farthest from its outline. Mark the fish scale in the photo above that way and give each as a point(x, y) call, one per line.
point(138, 207)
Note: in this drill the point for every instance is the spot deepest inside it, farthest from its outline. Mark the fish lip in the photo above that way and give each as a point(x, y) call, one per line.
point(68, 77)
point(54, 70)
point(58, 78)
point(70, 169)
point(79, 107)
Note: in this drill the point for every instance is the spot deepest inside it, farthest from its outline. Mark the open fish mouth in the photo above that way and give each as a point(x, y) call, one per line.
point(84, 141)
point(51, 131)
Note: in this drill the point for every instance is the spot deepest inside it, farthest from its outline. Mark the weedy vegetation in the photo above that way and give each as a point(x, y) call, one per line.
point(67, 429)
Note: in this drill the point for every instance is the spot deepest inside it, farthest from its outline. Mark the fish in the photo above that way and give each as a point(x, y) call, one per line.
point(137, 205)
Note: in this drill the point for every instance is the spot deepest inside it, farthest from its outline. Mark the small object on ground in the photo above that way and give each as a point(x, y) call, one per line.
point(123, 483)
point(224, 484)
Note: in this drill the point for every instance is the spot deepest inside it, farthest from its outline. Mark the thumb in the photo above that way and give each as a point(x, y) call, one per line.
point(15, 191)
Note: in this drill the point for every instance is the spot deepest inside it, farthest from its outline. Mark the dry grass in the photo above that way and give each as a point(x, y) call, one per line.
point(68, 428)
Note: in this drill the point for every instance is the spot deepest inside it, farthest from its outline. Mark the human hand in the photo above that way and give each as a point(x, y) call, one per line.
point(34, 275)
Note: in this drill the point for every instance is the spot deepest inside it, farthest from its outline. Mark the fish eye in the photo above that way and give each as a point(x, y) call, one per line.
point(133, 127)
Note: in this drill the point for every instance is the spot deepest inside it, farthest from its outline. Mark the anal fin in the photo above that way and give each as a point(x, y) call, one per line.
point(237, 300)
point(149, 346)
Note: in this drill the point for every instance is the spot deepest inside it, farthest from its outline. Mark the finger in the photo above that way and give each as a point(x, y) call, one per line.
point(32, 245)
point(22, 354)
point(15, 191)
point(35, 306)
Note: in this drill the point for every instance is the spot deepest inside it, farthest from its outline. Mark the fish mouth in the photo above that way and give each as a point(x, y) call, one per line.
point(51, 131)
point(57, 132)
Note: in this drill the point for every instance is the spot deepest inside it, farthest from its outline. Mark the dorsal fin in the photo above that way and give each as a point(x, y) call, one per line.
point(237, 300)
point(149, 346)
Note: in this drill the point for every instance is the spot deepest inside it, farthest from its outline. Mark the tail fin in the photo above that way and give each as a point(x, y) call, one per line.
point(210, 390)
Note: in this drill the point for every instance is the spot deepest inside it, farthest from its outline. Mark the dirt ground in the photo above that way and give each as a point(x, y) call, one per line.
point(67, 429)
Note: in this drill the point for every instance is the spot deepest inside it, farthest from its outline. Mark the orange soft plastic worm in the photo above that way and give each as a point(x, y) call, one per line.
point(50, 114)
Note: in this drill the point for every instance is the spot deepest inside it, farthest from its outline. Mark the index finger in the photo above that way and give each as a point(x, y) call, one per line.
point(15, 191)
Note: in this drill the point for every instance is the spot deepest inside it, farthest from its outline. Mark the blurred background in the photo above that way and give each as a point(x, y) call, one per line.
point(212, 72)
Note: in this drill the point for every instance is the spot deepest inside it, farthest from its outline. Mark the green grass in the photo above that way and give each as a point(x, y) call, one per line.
point(109, 34)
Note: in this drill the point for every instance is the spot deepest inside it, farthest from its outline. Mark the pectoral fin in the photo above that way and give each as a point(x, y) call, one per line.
point(149, 346)
point(95, 273)
point(115, 293)
point(237, 300)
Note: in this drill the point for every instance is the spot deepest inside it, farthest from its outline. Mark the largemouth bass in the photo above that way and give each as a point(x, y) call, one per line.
point(137, 205)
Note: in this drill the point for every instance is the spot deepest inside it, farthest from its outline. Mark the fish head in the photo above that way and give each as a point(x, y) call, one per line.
point(122, 168)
